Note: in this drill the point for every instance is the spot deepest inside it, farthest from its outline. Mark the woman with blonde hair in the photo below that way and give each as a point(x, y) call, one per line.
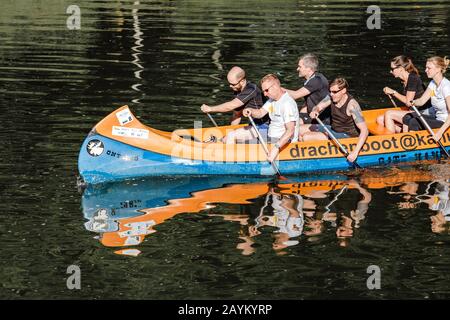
point(438, 91)
point(403, 68)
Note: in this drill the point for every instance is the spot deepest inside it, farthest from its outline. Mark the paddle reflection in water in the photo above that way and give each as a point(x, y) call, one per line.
point(298, 213)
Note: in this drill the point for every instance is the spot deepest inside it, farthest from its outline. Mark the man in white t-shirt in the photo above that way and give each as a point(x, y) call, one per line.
point(283, 113)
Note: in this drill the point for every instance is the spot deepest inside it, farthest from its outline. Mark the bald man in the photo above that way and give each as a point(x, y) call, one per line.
point(246, 95)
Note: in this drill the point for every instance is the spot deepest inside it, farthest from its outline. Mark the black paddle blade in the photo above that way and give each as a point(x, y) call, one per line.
point(356, 165)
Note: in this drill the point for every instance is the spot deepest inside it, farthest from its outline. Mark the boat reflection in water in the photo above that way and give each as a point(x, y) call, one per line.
point(124, 213)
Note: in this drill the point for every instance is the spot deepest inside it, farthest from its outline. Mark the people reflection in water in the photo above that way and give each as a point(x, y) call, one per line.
point(246, 232)
point(337, 213)
point(408, 191)
point(286, 215)
point(294, 215)
point(437, 202)
point(440, 203)
point(279, 210)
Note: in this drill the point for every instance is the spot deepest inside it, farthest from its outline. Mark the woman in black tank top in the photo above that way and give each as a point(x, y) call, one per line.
point(403, 68)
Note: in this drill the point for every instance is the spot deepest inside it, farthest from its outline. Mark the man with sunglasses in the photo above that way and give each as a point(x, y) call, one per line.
point(283, 113)
point(314, 90)
point(346, 119)
point(246, 95)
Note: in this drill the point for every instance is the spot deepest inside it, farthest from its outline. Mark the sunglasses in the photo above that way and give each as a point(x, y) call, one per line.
point(267, 90)
point(335, 91)
point(235, 84)
point(392, 69)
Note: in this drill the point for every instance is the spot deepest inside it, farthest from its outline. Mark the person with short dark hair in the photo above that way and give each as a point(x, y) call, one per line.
point(314, 90)
point(346, 119)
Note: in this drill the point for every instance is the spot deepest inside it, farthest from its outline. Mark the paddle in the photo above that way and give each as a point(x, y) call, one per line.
point(212, 120)
point(395, 104)
point(263, 143)
point(336, 141)
point(425, 123)
point(392, 100)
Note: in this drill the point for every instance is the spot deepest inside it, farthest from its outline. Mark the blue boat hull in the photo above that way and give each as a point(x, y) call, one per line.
point(119, 161)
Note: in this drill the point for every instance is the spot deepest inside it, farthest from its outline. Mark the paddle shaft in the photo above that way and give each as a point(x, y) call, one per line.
point(392, 100)
point(263, 143)
point(336, 141)
point(427, 126)
point(212, 120)
point(424, 122)
point(335, 198)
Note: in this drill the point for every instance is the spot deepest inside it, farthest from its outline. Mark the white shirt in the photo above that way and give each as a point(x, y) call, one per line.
point(281, 112)
point(438, 95)
point(282, 219)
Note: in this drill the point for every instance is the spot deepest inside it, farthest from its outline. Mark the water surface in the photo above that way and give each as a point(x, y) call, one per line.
point(164, 59)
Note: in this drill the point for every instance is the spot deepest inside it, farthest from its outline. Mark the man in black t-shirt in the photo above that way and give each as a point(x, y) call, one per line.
point(246, 95)
point(314, 90)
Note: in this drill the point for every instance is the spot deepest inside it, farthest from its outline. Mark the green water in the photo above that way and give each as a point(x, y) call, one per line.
point(164, 59)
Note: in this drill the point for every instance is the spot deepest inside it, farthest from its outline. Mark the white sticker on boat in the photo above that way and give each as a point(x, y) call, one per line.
point(130, 132)
point(124, 116)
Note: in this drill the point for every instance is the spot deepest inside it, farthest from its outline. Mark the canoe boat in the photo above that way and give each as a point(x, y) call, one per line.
point(124, 213)
point(121, 147)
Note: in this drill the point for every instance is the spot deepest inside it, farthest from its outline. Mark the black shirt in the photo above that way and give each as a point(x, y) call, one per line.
point(252, 97)
point(318, 87)
point(415, 84)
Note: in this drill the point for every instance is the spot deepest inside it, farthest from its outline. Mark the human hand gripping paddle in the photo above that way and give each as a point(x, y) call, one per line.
point(263, 143)
point(392, 100)
point(427, 126)
point(206, 109)
point(336, 141)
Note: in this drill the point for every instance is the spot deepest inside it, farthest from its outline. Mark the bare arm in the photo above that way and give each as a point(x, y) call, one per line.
point(446, 124)
point(288, 134)
point(423, 99)
point(297, 94)
point(322, 105)
point(404, 99)
point(255, 113)
point(224, 107)
point(356, 113)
